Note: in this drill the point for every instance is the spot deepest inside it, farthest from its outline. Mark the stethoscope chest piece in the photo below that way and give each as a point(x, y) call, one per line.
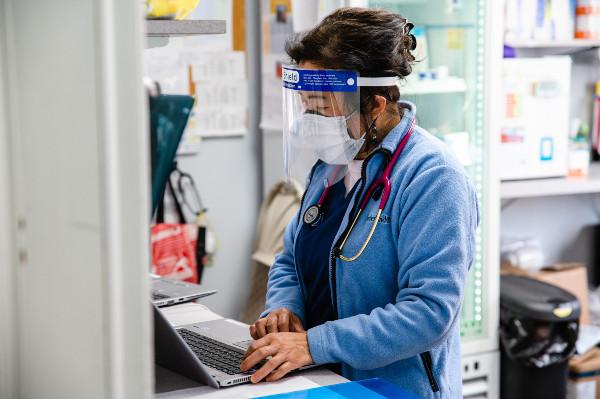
point(312, 215)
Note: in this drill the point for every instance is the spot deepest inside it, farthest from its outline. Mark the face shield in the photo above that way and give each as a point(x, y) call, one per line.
point(322, 119)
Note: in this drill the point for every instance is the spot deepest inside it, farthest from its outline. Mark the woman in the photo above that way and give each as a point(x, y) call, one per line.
point(389, 309)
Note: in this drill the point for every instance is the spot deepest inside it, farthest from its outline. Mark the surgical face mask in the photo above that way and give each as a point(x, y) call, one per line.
point(327, 137)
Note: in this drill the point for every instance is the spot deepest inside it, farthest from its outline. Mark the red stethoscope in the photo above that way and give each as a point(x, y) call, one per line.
point(314, 213)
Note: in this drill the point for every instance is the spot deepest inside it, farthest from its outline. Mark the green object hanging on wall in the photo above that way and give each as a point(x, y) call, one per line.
point(169, 115)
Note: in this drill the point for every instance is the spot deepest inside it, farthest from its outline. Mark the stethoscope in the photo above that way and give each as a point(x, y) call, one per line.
point(314, 213)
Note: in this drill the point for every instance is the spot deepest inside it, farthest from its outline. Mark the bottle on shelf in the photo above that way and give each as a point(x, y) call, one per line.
point(596, 123)
point(579, 150)
point(587, 19)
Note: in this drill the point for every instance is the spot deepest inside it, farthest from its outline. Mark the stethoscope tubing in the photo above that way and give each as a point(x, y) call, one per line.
point(383, 180)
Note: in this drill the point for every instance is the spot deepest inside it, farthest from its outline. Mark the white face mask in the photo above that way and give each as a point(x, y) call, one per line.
point(328, 138)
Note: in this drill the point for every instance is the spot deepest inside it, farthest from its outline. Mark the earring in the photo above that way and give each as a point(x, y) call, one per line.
point(374, 133)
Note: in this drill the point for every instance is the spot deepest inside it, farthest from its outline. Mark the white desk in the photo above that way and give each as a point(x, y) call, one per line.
point(170, 385)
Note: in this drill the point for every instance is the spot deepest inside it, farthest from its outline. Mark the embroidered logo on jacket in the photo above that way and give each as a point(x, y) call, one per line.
point(383, 219)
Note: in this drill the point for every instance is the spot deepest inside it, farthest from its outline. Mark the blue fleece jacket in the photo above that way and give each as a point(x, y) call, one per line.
point(398, 304)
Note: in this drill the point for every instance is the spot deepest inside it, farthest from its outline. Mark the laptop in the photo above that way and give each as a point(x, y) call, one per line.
point(209, 352)
point(167, 292)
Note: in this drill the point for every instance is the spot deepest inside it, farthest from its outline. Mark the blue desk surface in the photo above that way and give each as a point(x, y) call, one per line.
point(367, 389)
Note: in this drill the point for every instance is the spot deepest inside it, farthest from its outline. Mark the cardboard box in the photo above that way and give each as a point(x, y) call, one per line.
point(571, 277)
point(584, 375)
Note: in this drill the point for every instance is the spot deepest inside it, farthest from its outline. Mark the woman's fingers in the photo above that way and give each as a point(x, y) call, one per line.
point(296, 324)
point(259, 343)
point(280, 320)
point(281, 371)
point(261, 328)
point(287, 348)
point(272, 323)
point(283, 322)
point(255, 356)
point(267, 368)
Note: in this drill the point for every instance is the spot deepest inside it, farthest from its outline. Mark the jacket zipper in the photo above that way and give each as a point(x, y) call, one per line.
point(335, 251)
point(300, 223)
point(428, 364)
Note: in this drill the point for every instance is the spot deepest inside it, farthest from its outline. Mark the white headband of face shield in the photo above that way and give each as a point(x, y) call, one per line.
point(378, 81)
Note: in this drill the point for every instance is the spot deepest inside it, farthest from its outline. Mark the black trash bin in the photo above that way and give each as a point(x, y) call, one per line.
point(539, 323)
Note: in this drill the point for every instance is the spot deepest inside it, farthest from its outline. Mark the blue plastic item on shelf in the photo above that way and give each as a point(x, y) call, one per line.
point(509, 52)
point(375, 388)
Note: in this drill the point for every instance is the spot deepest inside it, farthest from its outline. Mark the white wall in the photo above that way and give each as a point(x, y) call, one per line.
point(226, 172)
point(562, 224)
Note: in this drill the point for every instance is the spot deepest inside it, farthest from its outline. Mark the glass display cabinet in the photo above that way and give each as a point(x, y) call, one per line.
point(453, 85)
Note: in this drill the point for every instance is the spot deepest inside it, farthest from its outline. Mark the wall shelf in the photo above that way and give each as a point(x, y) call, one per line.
point(552, 186)
point(433, 86)
point(553, 44)
point(170, 28)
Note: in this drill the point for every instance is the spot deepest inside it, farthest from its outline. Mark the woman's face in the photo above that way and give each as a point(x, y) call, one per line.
point(322, 103)
point(331, 104)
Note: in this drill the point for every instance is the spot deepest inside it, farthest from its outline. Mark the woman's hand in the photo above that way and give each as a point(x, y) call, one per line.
point(288, 351)
point(280, 320)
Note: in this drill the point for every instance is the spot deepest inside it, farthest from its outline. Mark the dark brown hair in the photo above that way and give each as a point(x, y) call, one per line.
point(373, 42)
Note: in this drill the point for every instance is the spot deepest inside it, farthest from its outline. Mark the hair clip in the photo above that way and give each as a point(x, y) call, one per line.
point(413, 43)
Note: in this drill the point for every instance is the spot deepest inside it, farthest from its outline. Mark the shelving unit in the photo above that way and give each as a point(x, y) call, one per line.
point(552, 186)
point(170, 28)
point(434, 86)
point(159, 31)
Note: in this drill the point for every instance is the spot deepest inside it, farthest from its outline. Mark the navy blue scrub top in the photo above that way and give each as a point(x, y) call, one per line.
point(313, 251)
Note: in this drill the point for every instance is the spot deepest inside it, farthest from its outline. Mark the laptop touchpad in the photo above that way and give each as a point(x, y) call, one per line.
point(228, 331)
point(243, 344)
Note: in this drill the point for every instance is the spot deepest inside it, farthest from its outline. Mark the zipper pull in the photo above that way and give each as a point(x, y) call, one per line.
point(336, 252)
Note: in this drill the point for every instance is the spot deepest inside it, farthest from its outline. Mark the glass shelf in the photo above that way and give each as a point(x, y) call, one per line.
point(555, 44)
point(433, 86)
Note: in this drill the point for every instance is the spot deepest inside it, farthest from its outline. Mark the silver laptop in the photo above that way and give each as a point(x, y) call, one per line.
point(209, 352)
point(167, 292)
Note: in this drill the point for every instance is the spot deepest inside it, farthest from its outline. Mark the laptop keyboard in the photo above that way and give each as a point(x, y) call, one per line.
point(214, 353)
point(158, 295)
